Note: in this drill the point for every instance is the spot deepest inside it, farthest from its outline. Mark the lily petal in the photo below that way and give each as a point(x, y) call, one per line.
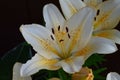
point(102, 45)
point(113, 35)
point(52, 16)
point(72, 65)
point(80, 28)
point(92, 3)
point(107, 15)
point(69, 7)
point(113, 76)
point(37, 63)
point(40, 39)
point(16, 73)
point(97, 45)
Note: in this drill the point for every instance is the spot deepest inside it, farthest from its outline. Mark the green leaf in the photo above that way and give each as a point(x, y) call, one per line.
point(94, 60)
point(63, 75)
point(98, 74)
point(20, 53)
point(41, 75)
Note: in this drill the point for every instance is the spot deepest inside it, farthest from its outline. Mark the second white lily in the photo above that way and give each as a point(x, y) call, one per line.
point(106, 19)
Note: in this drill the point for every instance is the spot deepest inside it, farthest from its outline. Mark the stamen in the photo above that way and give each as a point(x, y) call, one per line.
point(66, 29)
point(68, 35)
point(53, 31)
point(51, 37)
point(61, 40)
point(98, 12)
point(95, 18)
point(59, 28)
point(104, 0)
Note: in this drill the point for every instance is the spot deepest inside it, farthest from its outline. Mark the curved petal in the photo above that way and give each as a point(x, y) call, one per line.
point(16, 73)
point(113, 76)
point(54, 78)
point(37, 63)
point(41, 40)
point(97, 45)
point(102, 45)
point(80, 29)
point(93, 3)
point(52, 16)
point(108, 15)
point(110, 34)
point(69, 7)
point(72, 65)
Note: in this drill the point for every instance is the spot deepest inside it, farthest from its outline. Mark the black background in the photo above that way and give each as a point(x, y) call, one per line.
point(14, 13)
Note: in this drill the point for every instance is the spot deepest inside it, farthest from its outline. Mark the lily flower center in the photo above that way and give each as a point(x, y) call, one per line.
point(62, 36)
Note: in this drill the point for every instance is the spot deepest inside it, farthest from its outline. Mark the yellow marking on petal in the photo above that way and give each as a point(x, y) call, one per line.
point(50, 63)
point(83, 51)
point(103, 34)
point(101, 20)
point(46, 45)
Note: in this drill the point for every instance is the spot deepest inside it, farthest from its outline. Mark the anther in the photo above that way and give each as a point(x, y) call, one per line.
point(98, 12)
point(68, 35)
point(66, 29)
point(51, 37)
point(53, 31)
point(95, 18)
point(61, 40)
point(59, 28)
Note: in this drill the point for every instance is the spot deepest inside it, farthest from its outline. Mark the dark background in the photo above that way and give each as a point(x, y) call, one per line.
point(13, 13)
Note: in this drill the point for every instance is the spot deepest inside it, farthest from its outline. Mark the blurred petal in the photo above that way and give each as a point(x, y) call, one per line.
point(84, 74)
point(113, 76)
point(40, 39)
point(110, 34)
point(69, 7)
point(107, 15)
point(80, 29)
point(16, 73)
point(97, 45)
point(72, 65)
point(52, 16)
point(54, 79)
point(37, 63)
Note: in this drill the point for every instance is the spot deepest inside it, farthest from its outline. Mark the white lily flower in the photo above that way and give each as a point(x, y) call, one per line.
point(107, 15)
point(16, 73)
point(113, 76)
point(63, 43)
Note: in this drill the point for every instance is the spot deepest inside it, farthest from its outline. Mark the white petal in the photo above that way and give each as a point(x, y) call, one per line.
point(37, 63)
point(80, 28)
point(102, 45)
point(16, 73)
point(69, 7)
point(113, 35)
point(72, 65)
point(52, 16)
point(113, 76)
point(93, 3)
point(40, 39)
point(97, 45)
point(108, 15)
